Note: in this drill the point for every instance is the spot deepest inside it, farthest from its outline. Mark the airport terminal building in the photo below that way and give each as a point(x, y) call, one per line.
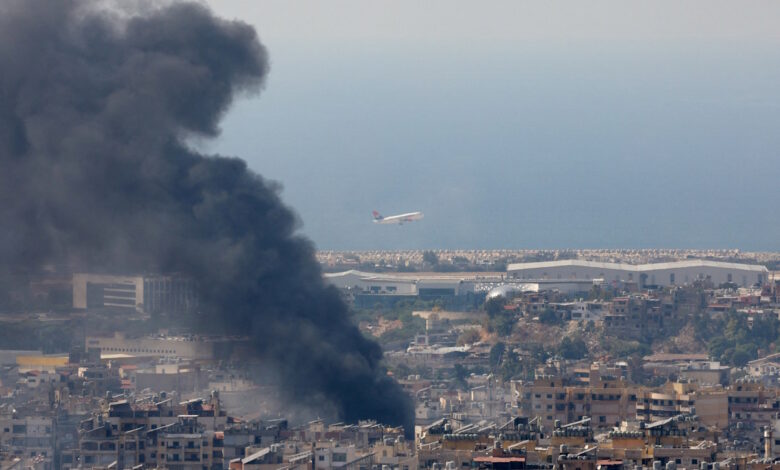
point(654, 274)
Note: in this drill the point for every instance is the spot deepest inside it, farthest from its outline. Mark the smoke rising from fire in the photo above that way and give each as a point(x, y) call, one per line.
point(95, 109)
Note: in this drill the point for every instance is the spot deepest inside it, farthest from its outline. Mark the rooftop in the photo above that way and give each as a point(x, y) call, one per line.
point(638, 267)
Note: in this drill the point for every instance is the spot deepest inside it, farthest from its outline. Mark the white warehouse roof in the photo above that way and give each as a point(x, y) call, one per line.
point(638, 267)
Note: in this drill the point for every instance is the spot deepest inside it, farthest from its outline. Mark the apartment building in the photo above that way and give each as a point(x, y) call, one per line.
point(607, 402)
point(27, 436)
point(131, 434)
point(187, 445)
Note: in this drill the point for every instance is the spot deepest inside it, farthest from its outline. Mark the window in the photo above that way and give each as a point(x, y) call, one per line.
point(321, 458)
point(339, 457)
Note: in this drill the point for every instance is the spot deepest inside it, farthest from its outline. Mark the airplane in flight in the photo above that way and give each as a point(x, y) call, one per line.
point(397, 219)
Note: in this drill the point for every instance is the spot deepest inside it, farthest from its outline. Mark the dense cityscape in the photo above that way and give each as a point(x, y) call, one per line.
point(228, 235)
point(561, 360)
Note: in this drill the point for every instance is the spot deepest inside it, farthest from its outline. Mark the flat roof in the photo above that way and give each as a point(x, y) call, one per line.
point(673, 357)
point(638, 267)
point(418, 276)
point(491, 459)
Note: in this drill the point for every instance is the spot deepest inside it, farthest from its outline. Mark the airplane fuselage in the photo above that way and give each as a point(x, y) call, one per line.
point(398, 219)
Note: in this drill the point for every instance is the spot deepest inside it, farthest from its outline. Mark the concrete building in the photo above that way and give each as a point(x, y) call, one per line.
point(401, 284)
point(187, 446)
point(150, 294)
point(608, 402)
point(657, 274)
point(367, 290)
point(187, 435)
point(28, 436)
point(153, 346)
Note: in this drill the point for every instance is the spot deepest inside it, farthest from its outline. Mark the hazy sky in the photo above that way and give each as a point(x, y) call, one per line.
point(519, 124)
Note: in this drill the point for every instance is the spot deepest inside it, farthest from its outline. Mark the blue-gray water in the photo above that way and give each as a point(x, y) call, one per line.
point(530, 146)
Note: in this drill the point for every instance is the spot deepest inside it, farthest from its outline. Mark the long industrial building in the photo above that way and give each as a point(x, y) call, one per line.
point(406, 284)
point(654, 274)
point(153, 346)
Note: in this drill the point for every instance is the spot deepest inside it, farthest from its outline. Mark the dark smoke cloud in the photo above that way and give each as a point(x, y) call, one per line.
point(95, 107)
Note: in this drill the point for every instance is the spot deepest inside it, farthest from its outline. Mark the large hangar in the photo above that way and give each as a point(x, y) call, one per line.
point(659, 274)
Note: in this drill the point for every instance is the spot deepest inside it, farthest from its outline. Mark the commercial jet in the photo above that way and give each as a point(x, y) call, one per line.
point(397, 219)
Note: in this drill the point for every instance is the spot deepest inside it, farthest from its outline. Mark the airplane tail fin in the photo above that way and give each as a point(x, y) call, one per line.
point(377, 215)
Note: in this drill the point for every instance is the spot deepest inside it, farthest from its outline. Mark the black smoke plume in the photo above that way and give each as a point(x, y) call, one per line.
point(95, 108)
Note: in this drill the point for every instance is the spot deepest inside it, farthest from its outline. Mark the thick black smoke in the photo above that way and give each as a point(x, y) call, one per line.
point(95, 107)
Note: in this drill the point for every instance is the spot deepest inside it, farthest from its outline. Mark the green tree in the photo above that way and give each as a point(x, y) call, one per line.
point(549, 317)
point(496, 353)
point(742, 354)
point(733, 341)
point(461, 376)
point(495, 306)
point(511, 366)
point(572, 348)
point(502, 325)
